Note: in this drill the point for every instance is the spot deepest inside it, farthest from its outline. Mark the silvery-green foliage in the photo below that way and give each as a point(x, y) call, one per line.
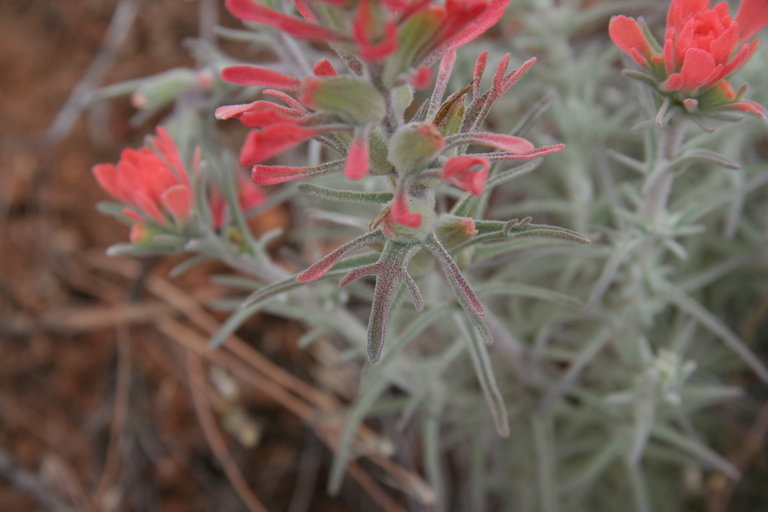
point(609, 360)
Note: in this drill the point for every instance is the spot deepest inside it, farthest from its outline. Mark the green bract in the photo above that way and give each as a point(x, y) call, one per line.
point(356, 100)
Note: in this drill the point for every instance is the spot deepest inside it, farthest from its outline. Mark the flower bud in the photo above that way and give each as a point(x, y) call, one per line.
point(159, 90)
point(402, 97)
point(413, 146)
point(453, 230)
point(356, 101)
point(450, 116)
point(141, 233)
point(413, 206)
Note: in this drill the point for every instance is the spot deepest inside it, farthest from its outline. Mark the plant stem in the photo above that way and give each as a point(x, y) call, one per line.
point(659, 185)
point(391, 122)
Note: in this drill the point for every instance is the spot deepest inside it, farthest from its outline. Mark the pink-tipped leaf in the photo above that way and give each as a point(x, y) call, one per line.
point(251, 10)
point(260, 145)
point(324, 68)
point(317, 270)
point(467, 172)
point(544, 150)
point(177, 200)
point(480, 64)
point(628, 36)
point(358, 165)
point(752, 17)
point(401, 214)
point(508, 143)
point(260, 77)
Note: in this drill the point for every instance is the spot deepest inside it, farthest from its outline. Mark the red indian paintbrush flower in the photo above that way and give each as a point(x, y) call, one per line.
point(348, 104)
point(278, 126)
point(155, 185)
point(378, 29)
point(703, 45)
point(152, 181)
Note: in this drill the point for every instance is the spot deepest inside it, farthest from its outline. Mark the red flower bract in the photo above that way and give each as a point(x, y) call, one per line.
point(152, 180)
point(467, 172)
point(251, 10)
point(702, 44)
point(274, 139)
point(357, 165)
point(324, 68)
point(465, 20)
point(401, 213)
point(699, 45)
point(259, 76)
point(627, 35)
point(376, 36)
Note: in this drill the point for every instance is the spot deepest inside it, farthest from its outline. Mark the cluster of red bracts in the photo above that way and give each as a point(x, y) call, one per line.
point(466, 172)
point(154, 184)
point(401, 39)
point(703, 45)
point(278, 127)
point(375, 28)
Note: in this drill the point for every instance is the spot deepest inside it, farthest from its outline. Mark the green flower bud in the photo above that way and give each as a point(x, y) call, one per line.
point(452, 231)
point(450, 116)
point(413, 146)
point(420, 205)
point(402, 97)
point(159, 90)
point(355, 100)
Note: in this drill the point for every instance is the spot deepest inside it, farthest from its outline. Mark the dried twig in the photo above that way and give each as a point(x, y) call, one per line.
point(326, 428)
point(754, 443)
point(116, 34)
point(312, 405)
point(30, 485)
point(306, 479)
point(198, 390)
point(209, 18)
point(74, 320)
point(120, 412)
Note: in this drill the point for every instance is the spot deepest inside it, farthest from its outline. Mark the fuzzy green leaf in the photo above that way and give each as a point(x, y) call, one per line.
point(485, 376)
point(352, 196)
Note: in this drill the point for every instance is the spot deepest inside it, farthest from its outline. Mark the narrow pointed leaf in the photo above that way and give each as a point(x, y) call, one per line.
point(485, 376)
point(352, 196)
